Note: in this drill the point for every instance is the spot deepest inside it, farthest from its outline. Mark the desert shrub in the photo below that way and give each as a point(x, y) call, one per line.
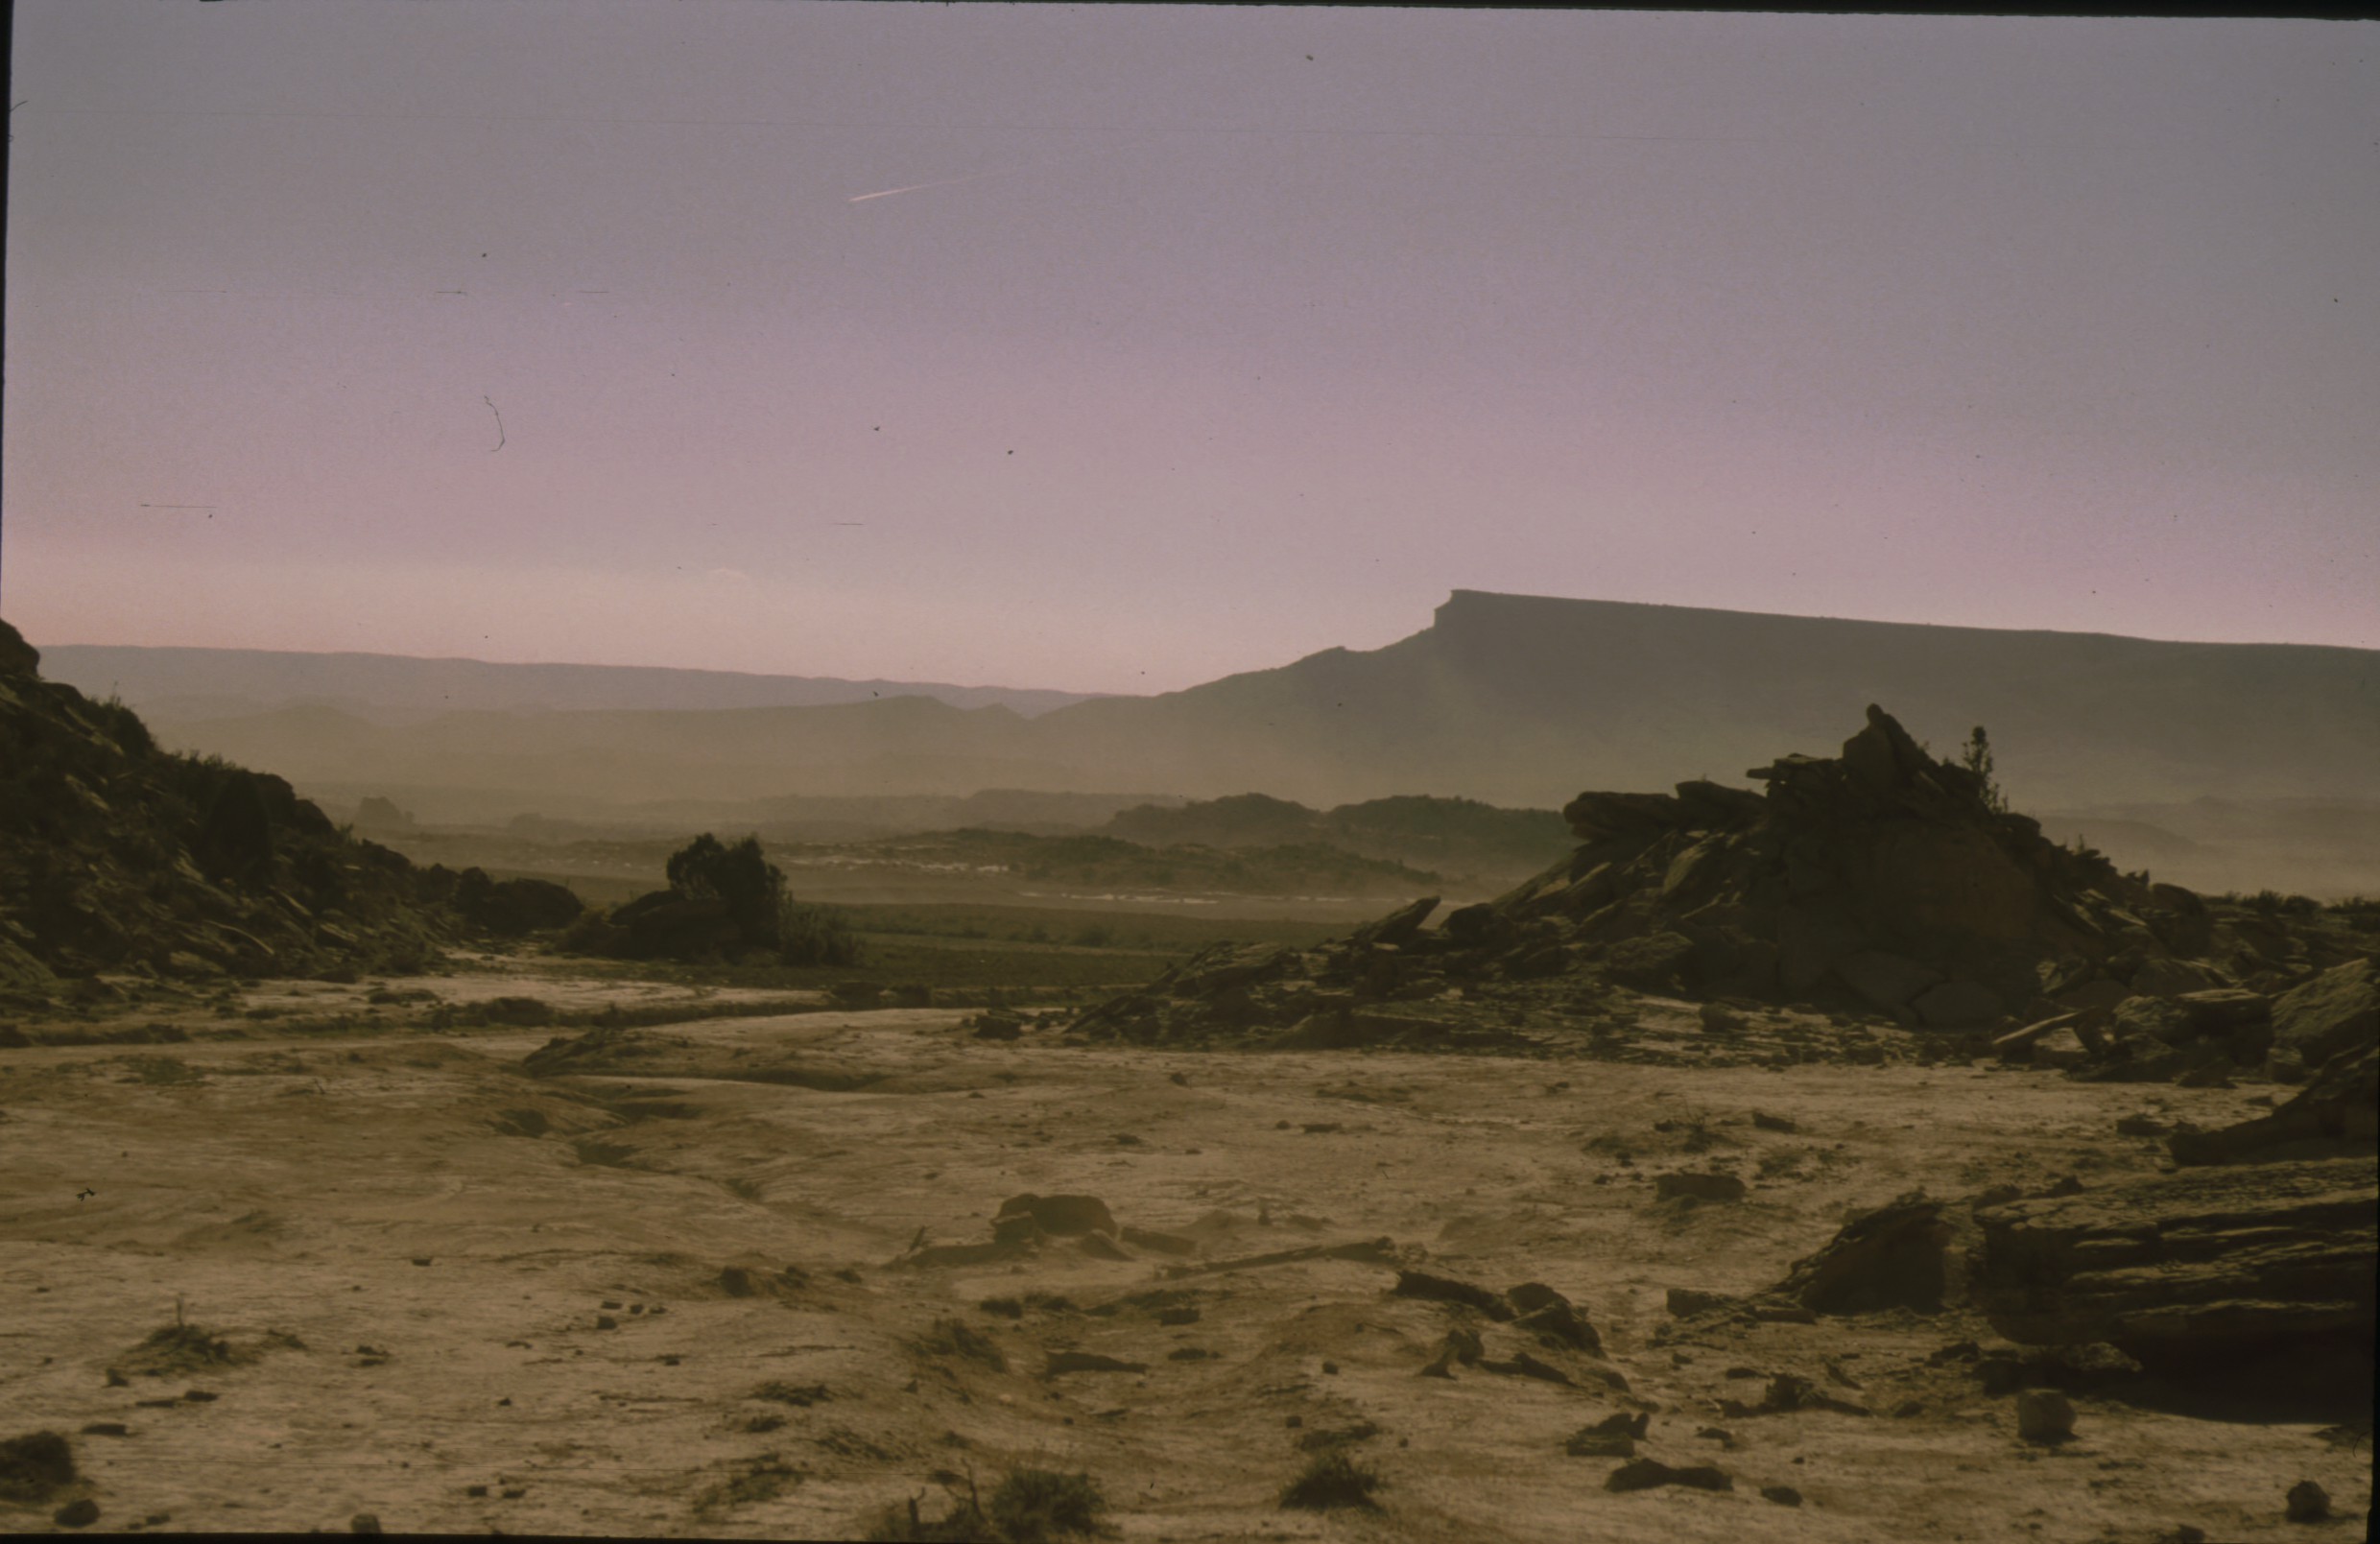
point(815, 936)
point(1032, 1506)
point(952, 1336)
point(123, 727)
point(1332, 1479)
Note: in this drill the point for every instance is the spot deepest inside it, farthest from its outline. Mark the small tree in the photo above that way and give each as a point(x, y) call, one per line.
point(753, 887)
point(1976, 757)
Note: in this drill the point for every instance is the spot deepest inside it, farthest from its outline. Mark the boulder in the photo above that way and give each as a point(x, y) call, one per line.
point(2337, 1113)
point(1400, 926)
point(2044, 1416)
point(1699, 1186)
point(2017, 1044)
point(1552, 1316)
point(1893, 1257)
point(2195, 1273)
point(1887, 980)
point(2306, 1502)
point(2062, 1047)
point(2337, 1010)
point(1059, 1216)
point(1644, 1474)
point(2163, 976)
point(2225, 1009)
point(1958, 1004)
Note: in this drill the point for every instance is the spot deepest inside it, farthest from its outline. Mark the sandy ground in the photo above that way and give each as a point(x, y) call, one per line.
point(461, 1299)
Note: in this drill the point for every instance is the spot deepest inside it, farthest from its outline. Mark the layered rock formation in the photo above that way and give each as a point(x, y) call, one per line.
point(2196, 1273)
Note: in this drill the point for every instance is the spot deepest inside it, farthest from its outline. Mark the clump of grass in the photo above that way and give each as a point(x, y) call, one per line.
point(756, 1480)
point(162, 1071)
point(179, 1348)
point(1332, 1479)
point(1030, 1507)
point(952, 1336)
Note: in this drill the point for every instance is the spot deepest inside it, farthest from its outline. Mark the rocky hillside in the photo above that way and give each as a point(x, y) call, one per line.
point(1879, 882)
point(118, 856)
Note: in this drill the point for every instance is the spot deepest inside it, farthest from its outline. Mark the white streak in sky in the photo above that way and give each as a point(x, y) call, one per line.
point(976, 177)
point(920, 187)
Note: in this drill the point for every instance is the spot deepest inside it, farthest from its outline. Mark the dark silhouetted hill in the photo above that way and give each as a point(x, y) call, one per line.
point(175, 685)
point(1519, 700)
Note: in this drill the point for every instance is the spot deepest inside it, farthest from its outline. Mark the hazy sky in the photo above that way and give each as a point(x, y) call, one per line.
point(1203, 339)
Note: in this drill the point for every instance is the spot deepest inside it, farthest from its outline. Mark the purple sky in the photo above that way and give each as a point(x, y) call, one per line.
point(1195, 353)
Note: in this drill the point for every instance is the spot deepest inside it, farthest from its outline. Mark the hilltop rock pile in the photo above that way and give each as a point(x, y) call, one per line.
point(116, 855)
point(1879, 882)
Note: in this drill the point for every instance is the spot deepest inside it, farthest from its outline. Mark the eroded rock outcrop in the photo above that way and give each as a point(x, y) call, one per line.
point(1879, 881)
point(2196, 1272)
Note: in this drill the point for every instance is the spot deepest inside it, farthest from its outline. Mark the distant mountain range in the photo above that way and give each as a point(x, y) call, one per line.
point(1515, 701)
point(179, 685)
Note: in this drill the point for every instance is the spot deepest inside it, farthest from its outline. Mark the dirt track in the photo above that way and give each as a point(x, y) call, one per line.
point(498, 1280)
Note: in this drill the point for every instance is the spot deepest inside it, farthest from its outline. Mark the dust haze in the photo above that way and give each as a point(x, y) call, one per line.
point(866, 773)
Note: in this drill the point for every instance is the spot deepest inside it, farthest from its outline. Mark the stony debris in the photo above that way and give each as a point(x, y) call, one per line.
point(2306, 1502)
point(1787, 1393)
